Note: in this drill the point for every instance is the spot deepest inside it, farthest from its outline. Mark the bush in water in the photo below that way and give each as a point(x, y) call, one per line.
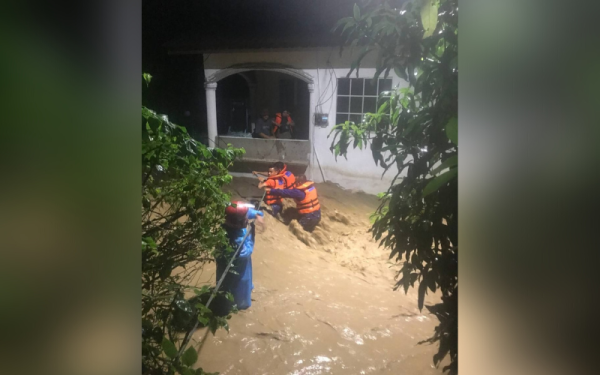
point(417, 128)
point(183, 208)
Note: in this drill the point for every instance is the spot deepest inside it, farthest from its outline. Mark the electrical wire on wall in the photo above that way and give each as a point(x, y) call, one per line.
point(323, 100)
point(334, 90)
point(323, 92)
point(318, 83)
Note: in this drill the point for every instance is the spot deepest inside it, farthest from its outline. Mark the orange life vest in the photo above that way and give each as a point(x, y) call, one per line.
point(280, 124)
point(288, 177)
point(310, 203)
point(274, 182)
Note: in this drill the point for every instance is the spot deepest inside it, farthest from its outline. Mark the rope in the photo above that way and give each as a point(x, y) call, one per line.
point(261, 199)
point(212, 296)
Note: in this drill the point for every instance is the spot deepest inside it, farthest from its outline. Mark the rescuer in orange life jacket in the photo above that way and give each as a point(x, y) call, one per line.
point(283, 125)
point(307, 202)
point(278, 178)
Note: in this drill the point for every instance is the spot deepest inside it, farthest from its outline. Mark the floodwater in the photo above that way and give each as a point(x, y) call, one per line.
point(328, 308)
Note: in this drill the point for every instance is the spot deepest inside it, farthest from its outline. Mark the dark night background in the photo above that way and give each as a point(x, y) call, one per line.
point(178, 80)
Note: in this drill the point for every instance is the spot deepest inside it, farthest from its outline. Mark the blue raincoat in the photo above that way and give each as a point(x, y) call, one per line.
point(239, 283)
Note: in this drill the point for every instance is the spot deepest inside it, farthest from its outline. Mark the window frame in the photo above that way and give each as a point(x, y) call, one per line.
point(348, 113)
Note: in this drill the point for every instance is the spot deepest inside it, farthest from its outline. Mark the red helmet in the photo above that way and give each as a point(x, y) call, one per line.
point(236, 217)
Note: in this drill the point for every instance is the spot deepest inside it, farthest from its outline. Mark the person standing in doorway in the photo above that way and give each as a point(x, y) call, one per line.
point(283, 125)
point(262, 128)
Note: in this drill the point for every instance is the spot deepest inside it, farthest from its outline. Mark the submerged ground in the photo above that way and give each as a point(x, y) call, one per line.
point(323, 303)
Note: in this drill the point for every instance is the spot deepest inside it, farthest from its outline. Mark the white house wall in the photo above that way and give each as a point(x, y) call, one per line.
point(359, 171)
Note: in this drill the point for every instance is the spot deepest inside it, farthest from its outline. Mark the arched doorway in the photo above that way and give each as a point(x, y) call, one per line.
point(233, 105)
point(241, 98)
point(294, 89)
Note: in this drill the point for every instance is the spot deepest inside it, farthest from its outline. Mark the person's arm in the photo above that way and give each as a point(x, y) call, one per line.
point(248, 246)
point(275, 126)
point(260, 224)
point(291, 124)
point(263, 134)
point(259, 129)
point(266, 183)
point(259, 219)
point(254, 214)
point(287, 193)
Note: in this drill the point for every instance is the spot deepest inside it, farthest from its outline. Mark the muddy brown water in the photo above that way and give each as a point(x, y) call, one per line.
point(323, 308)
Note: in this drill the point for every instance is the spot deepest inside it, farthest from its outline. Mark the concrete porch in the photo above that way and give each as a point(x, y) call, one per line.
point(260, 153)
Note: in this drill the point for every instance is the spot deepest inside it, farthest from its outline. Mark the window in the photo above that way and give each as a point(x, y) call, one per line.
point(357, 96)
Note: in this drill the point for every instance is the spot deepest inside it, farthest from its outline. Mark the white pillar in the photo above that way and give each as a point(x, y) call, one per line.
point(211, 112)
point(310, 172)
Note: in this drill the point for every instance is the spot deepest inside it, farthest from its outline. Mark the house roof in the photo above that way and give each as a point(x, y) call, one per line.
point(225, 43)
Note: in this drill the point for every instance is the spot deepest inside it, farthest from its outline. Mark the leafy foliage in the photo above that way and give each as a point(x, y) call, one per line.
point(415, 129)
point(183, 208)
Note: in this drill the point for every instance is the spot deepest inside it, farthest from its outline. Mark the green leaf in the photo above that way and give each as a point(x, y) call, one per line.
point(349, 24)
point(422, 291)
point(400, 73)
point(378, 72)
point(431, 281)
point(383, 107)
point(356, 63)
point(429, 16)
point(405, 279)
point(387, 72)
point(147, 113)
point(189, 357)
point(341, 22)
point(353, 66)
point(452, 130)
point(203, 309)
point(165, 270)
point(202, 290)
point(149, 241)
point(169, 348)
point(147, 78)
point(188, 371)
point(356, 12)
point(439, 181)
point(452, 161)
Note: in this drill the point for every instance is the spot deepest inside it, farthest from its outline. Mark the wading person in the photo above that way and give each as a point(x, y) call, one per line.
point(304, 193)
point(239, 283)
point(278, 177)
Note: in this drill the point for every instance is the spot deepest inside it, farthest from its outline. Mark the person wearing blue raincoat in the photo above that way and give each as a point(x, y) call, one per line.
point(239, 282)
